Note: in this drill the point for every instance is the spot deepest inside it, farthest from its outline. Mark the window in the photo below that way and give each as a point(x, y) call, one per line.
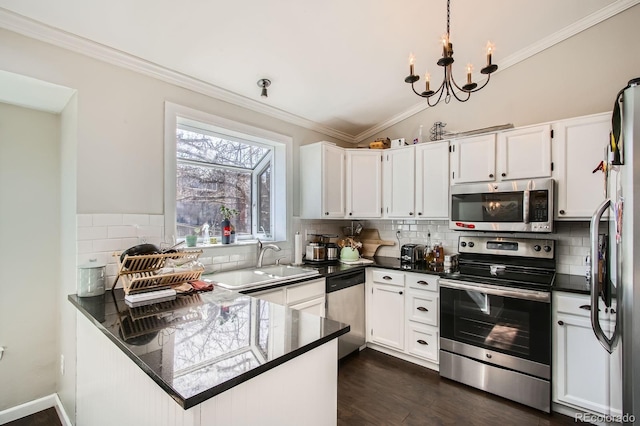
point(210, 163)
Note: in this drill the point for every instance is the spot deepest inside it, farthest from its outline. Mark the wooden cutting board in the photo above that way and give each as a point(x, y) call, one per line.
point(371, 241)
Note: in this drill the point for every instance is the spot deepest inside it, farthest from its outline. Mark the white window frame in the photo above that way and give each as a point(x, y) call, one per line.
point(281, 162)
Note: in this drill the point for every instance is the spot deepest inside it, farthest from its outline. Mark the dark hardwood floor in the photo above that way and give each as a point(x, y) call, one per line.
point(378, 389)
point(48, 417)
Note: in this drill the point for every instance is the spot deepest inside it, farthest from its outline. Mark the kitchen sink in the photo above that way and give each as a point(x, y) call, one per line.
point(242, 279)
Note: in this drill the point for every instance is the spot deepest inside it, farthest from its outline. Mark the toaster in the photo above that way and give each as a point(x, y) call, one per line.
point(412, 253)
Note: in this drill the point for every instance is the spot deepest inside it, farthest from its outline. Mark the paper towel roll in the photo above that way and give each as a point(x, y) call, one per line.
point(297, 249)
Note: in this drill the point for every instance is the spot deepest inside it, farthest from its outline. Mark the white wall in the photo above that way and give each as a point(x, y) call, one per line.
point(579, 76)
point(29, 253)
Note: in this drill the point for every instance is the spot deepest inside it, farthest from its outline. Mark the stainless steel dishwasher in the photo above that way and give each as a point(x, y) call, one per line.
point(345, 303)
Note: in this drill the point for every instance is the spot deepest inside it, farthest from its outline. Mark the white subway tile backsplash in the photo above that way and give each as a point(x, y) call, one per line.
point(122, 232)
point(107, 219)
point(111, 244)
point(85, 246)
point(84, 220)
point(156, 220)
point(135, 219)
point(91, 232)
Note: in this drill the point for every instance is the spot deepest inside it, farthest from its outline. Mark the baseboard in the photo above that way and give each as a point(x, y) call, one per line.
point(35, 406)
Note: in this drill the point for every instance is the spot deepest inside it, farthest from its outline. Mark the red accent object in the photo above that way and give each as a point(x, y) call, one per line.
point(199, 285)
point(227, 231)
point(465, 225)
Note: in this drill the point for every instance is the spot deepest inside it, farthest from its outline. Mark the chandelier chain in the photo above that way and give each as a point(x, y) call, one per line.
point(448, 16)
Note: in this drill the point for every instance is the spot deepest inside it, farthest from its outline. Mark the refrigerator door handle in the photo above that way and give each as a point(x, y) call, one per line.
point(607, 343)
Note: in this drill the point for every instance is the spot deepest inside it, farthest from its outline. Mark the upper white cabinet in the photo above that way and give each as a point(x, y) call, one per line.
point(432, 180)
point(399, 182)
point(473, 159)
point(416, 181)
point(364, 183)
point(524, 153)
point(322, 181)
point(579, 144)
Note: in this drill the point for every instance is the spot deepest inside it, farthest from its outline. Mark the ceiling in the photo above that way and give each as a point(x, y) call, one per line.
point(334, 63)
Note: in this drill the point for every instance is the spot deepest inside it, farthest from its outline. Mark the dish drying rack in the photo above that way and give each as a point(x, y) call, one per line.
point(139, 273)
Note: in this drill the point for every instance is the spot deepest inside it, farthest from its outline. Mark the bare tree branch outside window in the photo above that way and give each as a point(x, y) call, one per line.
point(213, 171)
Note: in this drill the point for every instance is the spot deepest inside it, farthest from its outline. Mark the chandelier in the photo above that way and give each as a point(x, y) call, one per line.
point(449, 85)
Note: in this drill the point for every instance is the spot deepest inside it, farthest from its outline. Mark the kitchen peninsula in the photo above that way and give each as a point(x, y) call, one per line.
point(210, 358)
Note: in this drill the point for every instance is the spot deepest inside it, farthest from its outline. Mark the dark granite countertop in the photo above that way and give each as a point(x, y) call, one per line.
point(206, 343)
point(571, 284)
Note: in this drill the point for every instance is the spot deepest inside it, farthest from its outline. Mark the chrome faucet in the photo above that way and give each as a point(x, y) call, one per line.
point(262, 249)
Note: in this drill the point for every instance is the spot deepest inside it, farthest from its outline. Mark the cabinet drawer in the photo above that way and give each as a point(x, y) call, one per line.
point(422, 281)
point(304, 291)
point(578, 304)
point(422, 307)
point(388, 277)
point(423, 342)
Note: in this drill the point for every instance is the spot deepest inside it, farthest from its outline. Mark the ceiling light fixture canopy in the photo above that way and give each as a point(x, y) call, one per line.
point(264, 83)
point(448, 86)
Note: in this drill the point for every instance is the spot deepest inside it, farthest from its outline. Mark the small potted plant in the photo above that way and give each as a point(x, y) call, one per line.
point(192, 238)
point(227, 229)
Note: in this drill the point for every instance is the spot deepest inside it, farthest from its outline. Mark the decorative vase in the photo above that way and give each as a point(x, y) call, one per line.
point(226, 231)
point(191, 240)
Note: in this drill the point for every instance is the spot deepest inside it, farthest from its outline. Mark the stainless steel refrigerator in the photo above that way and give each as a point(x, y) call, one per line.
point(619, 286)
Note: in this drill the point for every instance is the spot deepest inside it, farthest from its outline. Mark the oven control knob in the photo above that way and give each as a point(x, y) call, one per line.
point(471, 244)
point(547, 248)
point(463, 244)
point(537, 247)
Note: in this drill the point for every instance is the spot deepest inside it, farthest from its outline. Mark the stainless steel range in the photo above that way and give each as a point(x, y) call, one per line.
point(495, 318)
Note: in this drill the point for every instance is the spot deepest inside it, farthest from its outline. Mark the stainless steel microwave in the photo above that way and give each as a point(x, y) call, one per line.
point(510, 206)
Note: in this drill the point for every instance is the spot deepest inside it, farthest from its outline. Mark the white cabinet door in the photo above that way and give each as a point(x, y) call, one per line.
point(364, 183)
point(333, 181)
point(386, 315)
point(582, 374)
point(524, 153)
point(314, 306)
point(473, 159)
point(399, 178)
point(432, 180)
point(585, 375)
point(322, 181)
point(579, 145)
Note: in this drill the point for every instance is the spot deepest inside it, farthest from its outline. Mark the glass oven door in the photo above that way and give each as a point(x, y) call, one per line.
point(497, 319)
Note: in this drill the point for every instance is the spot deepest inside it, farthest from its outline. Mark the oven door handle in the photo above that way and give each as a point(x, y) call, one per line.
point(536, 296)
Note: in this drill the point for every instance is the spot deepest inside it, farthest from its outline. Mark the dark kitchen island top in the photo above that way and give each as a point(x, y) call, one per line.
point(198, 346)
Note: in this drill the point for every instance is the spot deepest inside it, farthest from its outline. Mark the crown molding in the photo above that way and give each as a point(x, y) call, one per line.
point(523, 54)
point(28, 27)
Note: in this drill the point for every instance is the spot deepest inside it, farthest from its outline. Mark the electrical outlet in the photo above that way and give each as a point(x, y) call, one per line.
point(62, 365)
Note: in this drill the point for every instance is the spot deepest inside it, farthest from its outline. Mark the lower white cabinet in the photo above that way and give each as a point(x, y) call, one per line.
point(402, 314)
point(308, 296)
point(386, 315)
point(585, 375)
